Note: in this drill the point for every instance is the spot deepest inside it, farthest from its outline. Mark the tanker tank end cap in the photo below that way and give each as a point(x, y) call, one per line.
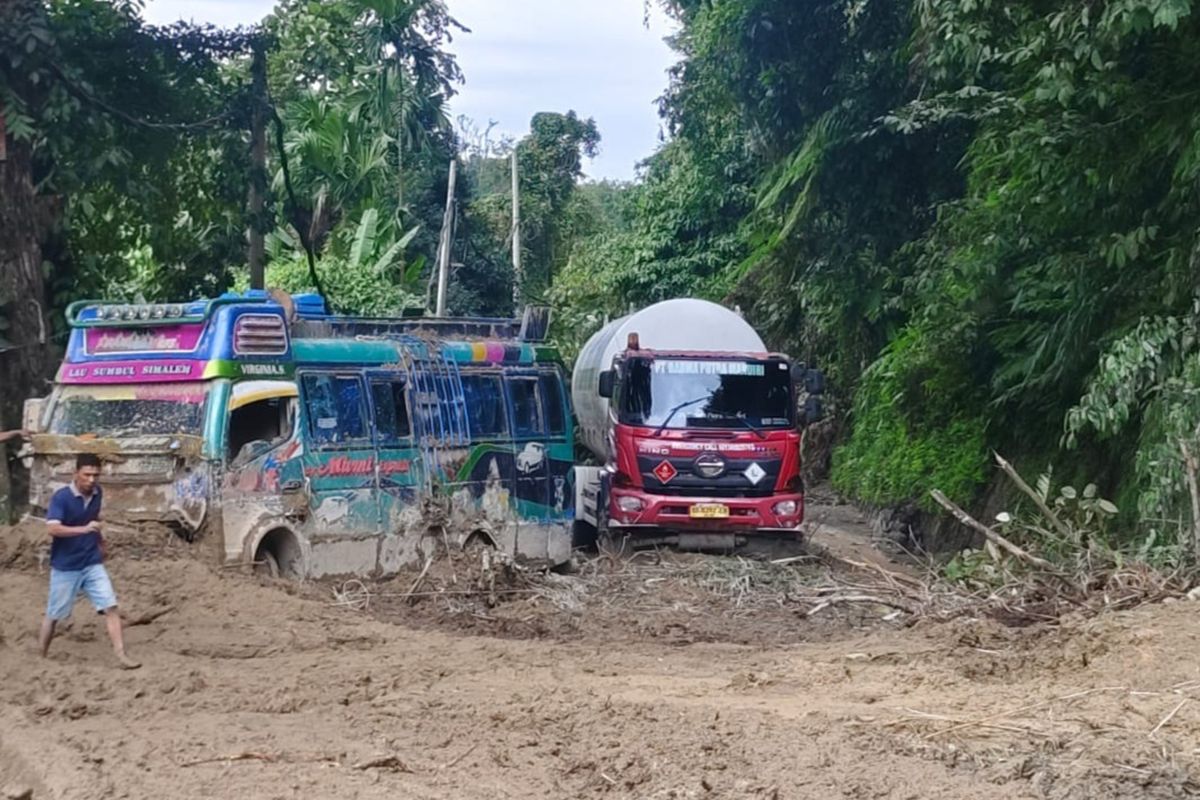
point(632, 343)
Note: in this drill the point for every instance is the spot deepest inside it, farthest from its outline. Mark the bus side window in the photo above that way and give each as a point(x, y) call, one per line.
point(527, 412)
point(552, 402)
point(335, 409)
point(391, 411)
point(265, 421)
point(483, 396)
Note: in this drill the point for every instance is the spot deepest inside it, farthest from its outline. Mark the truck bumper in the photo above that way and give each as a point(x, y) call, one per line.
point(637, 513)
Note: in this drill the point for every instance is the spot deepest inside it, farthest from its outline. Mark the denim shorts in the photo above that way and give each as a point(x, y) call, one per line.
point(66, 586)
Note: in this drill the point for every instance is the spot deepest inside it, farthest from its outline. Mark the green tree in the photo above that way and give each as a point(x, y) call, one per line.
point(551, 164)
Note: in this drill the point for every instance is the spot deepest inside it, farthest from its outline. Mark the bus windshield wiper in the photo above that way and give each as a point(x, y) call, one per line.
point(675, 411)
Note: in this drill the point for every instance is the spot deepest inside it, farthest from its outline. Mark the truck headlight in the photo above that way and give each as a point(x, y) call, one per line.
point(630, 504)
point(785, 508)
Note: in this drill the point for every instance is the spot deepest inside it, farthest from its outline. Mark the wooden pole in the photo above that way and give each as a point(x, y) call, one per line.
point(518, 277)
point(447, 239)
point(258, 169)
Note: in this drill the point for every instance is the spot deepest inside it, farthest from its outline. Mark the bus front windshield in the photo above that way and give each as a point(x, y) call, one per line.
point(703, 393)
point(140, 410)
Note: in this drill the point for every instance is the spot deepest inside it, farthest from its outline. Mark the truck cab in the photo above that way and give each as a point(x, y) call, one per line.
point(701, 446)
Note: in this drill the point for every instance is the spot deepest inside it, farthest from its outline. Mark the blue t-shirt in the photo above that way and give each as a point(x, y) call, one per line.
point(73, 553)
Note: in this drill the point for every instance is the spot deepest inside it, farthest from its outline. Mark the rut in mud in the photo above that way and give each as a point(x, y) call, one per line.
point(673, 676)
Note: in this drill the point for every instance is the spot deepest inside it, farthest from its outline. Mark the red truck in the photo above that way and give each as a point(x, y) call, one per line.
point(697, 429)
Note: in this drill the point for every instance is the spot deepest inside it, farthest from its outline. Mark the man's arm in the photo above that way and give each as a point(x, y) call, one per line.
point(8, 435)
point(55, 515)
point(60, 531)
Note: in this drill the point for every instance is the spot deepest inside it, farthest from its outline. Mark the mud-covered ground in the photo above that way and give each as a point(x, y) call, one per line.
point(674, 676)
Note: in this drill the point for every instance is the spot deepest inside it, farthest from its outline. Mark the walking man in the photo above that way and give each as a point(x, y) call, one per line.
point(77, 556)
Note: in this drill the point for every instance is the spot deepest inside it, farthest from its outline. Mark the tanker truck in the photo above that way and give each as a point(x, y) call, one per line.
point(696, 429)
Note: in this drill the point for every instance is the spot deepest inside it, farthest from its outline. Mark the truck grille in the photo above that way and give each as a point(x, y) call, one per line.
point(732, 483)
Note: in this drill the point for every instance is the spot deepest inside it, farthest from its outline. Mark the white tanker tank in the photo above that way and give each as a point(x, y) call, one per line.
point(678, 325)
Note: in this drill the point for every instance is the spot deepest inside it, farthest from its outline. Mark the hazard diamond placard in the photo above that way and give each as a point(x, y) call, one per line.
point(665, 471)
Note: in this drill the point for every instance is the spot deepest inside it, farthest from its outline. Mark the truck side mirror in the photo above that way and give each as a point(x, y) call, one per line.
point(607, 379)
point(814, 381)
point(814, 411)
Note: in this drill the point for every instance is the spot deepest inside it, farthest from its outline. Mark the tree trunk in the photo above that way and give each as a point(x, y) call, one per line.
point(25, 368)
point(258, 170)
point(26, 363)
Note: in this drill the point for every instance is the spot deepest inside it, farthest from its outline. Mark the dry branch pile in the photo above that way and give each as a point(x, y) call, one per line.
point(1039, 569)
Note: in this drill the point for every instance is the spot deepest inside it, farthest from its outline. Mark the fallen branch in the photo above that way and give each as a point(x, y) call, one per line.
point(1169, 717)
point(1031, 707)
point(267, 757)
point(447, 593)
point(353, 594)
point(1016, 478)
point(384, 762)
point(147, 618)
point(861, 598)
point(992, 536)
point(424, 571)
point(889, 575)
point(456, 761)
point(994, 726)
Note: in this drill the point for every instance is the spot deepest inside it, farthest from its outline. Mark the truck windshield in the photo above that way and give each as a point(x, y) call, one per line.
point(704, 393)
point(116, 411)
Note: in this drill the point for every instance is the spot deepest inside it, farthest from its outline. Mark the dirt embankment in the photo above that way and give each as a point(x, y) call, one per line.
point(685, 677)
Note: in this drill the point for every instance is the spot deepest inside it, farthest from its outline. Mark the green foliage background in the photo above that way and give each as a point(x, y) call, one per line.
point(979, 217)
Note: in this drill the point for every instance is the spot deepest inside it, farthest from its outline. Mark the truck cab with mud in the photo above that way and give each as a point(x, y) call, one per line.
point(312, 444)
point(696, 427)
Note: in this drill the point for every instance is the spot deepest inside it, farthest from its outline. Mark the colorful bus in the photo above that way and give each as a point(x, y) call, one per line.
point(310, 444)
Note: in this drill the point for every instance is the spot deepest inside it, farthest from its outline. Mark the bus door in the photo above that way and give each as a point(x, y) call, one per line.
point(561, 449)
point(488, 470)
point(261, 446)
point(339, 459)
point(531, 455)
point(399, 464)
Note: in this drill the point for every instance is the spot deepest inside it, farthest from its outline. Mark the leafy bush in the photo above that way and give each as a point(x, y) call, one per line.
point(348, 290)
point(911, 431)
point(1149, 381)
point(362, 270)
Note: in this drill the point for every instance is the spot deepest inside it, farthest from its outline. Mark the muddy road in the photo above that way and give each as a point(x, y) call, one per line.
point(672, 677)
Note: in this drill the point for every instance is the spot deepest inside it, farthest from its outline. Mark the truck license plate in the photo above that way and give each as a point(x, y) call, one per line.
point(709, 511)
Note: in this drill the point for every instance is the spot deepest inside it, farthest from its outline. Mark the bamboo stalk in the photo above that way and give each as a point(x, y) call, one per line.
point(1049, 514)
point(991, 535)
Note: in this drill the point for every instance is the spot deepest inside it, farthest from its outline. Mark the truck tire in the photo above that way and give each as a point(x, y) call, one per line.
point(584, 536)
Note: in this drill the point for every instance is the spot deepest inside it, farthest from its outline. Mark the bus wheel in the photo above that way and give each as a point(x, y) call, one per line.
point(279, 556)
point(477, 542)
point(266, 565)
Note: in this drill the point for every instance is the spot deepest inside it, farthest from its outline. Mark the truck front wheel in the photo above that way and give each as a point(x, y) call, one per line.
point(584, 536)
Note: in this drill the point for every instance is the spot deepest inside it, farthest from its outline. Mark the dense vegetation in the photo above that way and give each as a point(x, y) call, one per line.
point(978, 217)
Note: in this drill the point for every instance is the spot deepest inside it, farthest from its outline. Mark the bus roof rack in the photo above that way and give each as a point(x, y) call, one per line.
point(533, 328)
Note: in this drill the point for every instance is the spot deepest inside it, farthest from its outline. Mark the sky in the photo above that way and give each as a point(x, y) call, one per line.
point(597, 57)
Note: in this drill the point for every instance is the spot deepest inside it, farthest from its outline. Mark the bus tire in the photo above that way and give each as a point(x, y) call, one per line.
point(280, 556)
point(479, 540)
point(266, 565)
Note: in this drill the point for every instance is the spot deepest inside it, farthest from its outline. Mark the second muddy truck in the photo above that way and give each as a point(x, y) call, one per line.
point(696, 429)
